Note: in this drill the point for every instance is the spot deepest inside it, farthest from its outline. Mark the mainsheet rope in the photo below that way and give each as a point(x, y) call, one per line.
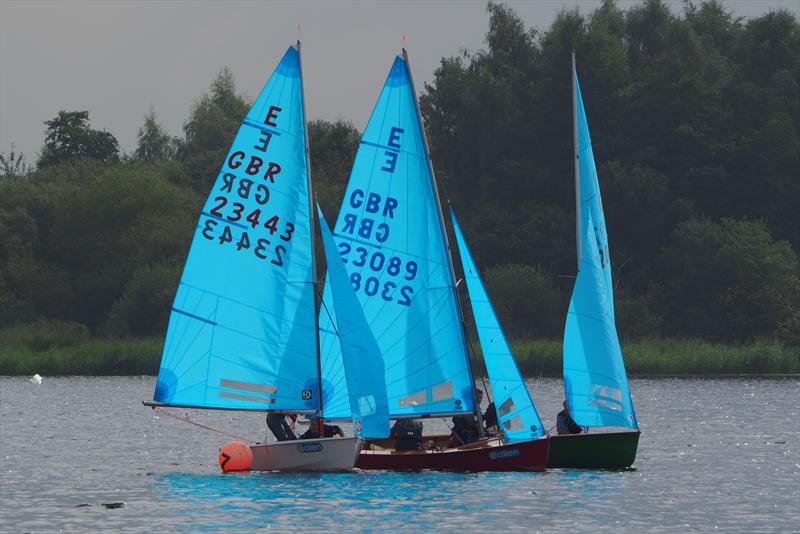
point(187, 420)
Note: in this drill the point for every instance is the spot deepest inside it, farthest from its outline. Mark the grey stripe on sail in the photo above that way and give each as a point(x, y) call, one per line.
point(248, 398)
point(415, 399)
point(443, 391)
point(248, 386)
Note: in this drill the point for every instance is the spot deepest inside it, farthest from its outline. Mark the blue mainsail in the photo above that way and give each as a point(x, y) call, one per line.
point(242, 328)
point(361, 356)
point(588, 188)
point(595, 383)
point(516, 414)
point(391, 241)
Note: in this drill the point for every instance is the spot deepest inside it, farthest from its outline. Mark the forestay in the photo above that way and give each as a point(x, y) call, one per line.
point(361, 356)
point(391, 242)
point(241, 331)
point(516, 414)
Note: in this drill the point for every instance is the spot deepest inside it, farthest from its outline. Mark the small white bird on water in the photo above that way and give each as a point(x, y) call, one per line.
point(36, 379)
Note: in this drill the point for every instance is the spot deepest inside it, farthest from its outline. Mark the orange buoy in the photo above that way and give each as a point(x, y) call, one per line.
point(235, 456)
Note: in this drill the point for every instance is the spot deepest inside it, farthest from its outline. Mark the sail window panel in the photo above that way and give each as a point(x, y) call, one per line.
point(415, 399)
point(601, 403)
point(247, 386)
point(514, 424)
point(506, 408)
point(246, 398)
point(442, 392)
point(608, 392)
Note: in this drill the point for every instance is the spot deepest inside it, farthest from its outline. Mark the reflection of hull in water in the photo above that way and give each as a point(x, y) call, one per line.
point(606, 450)
point(326, 454)
point(485, 455)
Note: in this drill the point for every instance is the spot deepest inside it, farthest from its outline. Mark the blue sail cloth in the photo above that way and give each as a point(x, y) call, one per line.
point(595, 382)
point(361, 356)
point(516, 414)
point(590, 203)
point(241, 331)
point(392, 244)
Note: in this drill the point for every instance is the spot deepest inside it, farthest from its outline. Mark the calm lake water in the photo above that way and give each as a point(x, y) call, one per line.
point(82, 454)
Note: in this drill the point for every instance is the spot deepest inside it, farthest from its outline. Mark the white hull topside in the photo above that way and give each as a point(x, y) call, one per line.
point(324, 454)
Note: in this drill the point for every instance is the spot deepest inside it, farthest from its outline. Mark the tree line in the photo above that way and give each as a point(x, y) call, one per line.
point(695, 123)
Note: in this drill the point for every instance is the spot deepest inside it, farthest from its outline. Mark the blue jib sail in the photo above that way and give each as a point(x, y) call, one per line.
point(392, 244)
point(595, 383)
point(516, 415)
point(241, 332)
point(363, 363)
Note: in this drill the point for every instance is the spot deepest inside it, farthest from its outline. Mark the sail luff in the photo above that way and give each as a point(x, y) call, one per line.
point(576, 156)
point(476, 405)
point(314, 279)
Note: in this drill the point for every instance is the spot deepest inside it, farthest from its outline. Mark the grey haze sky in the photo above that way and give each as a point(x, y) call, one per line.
point(116, 59)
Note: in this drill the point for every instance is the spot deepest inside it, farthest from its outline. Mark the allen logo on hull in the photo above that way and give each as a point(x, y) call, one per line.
point(499, 455)
point(309, 447)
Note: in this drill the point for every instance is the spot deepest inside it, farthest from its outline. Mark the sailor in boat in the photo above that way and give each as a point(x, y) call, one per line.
point(490, 419)
point(465, 427)
point(407, 432)
point(565, 424)
point(328, 431)
point(280, 427)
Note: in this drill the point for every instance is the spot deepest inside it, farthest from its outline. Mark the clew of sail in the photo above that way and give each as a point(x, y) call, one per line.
point(242, 327)
point(361, 356)
point(516, 414)
point(391, 242)
point(595, 382)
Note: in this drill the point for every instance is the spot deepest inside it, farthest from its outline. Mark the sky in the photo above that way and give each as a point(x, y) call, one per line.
point(119, 58)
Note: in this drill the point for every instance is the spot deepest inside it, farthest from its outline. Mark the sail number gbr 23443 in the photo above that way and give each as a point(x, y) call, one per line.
point(239, 237)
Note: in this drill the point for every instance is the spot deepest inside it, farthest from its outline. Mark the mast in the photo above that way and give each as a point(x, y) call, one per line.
point(577, 163)
point(477, 408)
point(311, 219)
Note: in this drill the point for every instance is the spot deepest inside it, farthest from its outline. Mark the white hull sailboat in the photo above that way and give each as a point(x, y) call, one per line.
point(243, 331)
point(325, 454)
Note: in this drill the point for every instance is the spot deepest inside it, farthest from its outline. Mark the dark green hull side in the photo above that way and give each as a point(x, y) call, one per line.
point(612, 450)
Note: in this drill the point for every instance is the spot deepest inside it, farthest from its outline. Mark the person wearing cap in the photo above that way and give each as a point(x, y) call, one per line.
point(565, 424)
point(328, 431)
